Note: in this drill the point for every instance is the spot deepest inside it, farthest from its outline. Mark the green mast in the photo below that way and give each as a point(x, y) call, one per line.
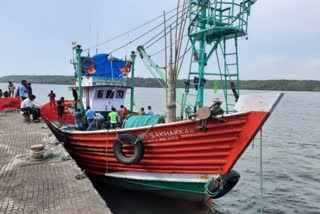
point(201, 57)
point(212, 24)
point(79, 76)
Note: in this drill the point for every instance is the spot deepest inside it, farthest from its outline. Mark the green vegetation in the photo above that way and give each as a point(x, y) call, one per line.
point(283, 85)
point(40, 79)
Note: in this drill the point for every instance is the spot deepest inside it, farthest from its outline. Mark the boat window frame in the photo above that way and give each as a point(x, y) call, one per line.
point(121, 96)
point(110, 94)
point(97, 93)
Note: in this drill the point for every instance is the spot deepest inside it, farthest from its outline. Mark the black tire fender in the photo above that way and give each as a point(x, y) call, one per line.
point(131, 140)
point(223, 184)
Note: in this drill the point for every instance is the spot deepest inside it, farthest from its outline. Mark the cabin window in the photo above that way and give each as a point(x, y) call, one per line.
point(110, 94)
point(99, 94)
point(119, 94)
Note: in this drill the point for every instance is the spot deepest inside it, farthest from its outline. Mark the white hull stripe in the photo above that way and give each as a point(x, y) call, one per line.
point(166, 177)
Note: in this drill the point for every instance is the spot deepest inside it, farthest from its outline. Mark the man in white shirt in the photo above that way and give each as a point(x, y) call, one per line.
point(27, 107)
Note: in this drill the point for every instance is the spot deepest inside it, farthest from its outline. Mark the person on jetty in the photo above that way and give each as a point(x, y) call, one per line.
point(6, 94)
point(52, 98)
point(22, 90)
point(11, 89)
point(149, 111)
point(142, 112)
point(113, 118)
point(29, 88)
point(90, 114)
point(28, 107)
point(60, 108)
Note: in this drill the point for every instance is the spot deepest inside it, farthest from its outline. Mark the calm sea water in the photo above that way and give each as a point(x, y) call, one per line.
point(291, 160)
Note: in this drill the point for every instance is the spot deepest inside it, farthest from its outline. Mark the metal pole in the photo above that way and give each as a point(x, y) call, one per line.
point(133, 56)
point(79, 77)
point(202, 58)
point(165, 55)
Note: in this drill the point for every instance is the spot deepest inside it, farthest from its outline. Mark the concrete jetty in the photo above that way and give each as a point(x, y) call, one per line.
point(52, 184)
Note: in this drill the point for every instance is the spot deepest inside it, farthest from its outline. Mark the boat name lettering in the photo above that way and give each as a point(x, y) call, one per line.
point(168, 133)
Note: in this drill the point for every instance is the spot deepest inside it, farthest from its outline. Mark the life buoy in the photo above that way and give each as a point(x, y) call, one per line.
point(129, 139)
point(89, 67)
point(91, 71)
point(126, 69)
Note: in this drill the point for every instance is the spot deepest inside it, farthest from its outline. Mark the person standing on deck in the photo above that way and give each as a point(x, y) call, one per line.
point(52, 97)
point(100, 121)
point(142, 112)
point(113, 118)
point(60, 108)
point(75, 98)
point(121, 114)
point(90, 114)
point(125, 113)
point(1, 93)
point(78, 119)
point(149, 111)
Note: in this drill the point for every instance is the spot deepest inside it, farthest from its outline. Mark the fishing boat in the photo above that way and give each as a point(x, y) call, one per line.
point(191, 155)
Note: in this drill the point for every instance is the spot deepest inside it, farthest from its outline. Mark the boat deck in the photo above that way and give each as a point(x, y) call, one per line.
point(40, 186)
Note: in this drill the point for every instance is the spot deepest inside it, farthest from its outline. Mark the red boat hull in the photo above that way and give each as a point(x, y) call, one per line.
point(179, 147)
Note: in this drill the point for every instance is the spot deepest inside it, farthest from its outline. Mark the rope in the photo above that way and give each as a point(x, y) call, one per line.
point(139, 137)
point(185, 35)
point(94, 120)
point(133, 29)
point(142, 35)
point(168, 27)
point(153, 74)
point(107, 150)
point(139, 37)
point(261, 178)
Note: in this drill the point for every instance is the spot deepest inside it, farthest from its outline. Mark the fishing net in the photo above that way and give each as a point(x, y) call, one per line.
point(50, 113)
point(9, 103)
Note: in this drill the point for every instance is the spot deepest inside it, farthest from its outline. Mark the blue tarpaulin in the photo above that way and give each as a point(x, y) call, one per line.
point(104, 67)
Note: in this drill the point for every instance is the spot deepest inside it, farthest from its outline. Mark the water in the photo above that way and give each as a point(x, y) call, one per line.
point(291, 163)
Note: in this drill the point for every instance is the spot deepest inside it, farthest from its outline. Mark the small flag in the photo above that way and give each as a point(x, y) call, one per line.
point(215, 86)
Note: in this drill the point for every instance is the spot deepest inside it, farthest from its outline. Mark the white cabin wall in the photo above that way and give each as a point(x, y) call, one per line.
point(104, 104)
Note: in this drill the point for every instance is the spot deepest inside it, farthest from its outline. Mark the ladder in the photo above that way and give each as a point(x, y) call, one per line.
point(213, 24)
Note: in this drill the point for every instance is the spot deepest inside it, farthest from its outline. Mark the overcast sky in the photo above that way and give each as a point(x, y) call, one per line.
point(36, 35)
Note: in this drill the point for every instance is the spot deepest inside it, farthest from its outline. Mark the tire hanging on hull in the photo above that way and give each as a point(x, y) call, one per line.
point(218, 187)
point(130, 140)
